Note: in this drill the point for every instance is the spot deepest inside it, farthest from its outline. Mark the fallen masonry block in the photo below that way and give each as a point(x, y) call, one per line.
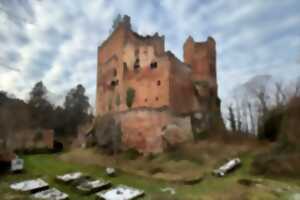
point(69, 177)
point(227, 167)
point(171, 190)
point(17, 165)
point(121, 192)
point(80, 180)
point(51, 194)
point(90, 186)
point(30, 185)
point(110, 171)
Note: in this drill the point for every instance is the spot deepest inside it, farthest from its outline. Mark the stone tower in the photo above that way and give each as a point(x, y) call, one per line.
point(201, 56)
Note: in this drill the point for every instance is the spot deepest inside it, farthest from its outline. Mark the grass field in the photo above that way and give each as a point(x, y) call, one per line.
point(48, 166)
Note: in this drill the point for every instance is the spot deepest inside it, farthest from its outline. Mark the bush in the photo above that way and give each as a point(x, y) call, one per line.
point(151, 156)
point(130, 97)
point(271, 124)
point(155, 169)
point(277, 165)
point(131, 154)
point(284, 158)
point(201, 135)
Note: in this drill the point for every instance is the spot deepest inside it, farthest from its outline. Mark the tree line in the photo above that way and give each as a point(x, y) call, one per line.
point(259, 106)
point(39, 113)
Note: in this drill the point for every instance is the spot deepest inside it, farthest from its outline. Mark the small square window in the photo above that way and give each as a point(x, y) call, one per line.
point(153, 65)
point(158, 82)
point(125, 68)
point(156, 98)
point(114, 83)
point(137, 64)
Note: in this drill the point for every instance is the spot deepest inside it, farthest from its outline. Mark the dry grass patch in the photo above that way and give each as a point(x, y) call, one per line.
point(186, 162)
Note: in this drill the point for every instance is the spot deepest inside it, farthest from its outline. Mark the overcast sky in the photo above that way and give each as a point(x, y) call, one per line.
point(56, 40)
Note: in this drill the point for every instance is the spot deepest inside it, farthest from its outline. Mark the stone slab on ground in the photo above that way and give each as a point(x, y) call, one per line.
point(227, 167)
point(30, 185)
point(69, 177)
point(51, 194)
point(170, 190)
point(90, 186)
point(121, 192)
point(17, 164)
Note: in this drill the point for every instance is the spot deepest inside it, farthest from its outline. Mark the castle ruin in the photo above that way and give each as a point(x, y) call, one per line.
point(157, 99)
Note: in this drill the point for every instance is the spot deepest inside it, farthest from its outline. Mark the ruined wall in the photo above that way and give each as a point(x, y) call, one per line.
point(117, 60)
point(147, 71)
point(201, 56)
point(31, 139)
point(182, 94)
point(144, 130)
point(165, 89)
point(151, 85)
point(108, 60)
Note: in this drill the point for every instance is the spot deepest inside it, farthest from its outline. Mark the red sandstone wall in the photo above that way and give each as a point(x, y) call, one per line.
point(144, 129)
point(111, 48)
point(182, 94)
point(48, 138)
point(169, 85)
point(151, 85)
point(201, 56)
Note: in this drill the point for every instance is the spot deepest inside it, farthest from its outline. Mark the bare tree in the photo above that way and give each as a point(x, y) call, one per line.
point(280, 95)
point(238, 115)
point(297, 88)
point(231, 118)
point(251, 116)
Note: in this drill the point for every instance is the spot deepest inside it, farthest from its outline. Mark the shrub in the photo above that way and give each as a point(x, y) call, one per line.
point(271, 123)
point(131, 154)
point(130, 97)
point(155, 169)
point(284, 158)
point(277, 165)
point(200, 135)
point(151, 156)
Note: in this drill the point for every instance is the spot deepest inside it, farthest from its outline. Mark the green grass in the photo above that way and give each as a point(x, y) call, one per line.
point(48, 166)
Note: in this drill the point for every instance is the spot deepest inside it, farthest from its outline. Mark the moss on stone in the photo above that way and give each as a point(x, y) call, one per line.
point(130, 97)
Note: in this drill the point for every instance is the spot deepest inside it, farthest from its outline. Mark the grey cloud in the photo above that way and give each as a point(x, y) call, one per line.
point(19, 11)
point(253, 37)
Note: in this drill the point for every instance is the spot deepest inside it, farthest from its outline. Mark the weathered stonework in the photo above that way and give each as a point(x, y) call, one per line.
point(170, 97)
